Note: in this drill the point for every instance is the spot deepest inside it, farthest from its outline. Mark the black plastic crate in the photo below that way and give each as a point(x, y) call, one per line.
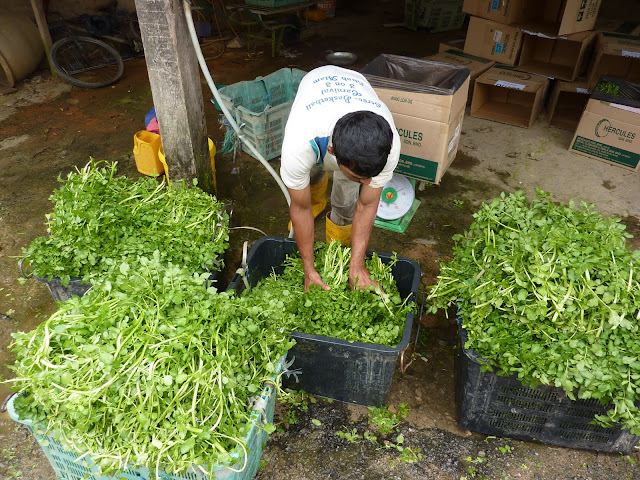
point(351, 372)
point(61, 293)
point(503, 406)
point(628, 92)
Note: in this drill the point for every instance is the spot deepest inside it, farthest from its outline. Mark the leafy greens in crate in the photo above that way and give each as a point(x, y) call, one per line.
point(551, 293)
point(151, 369)
point(356, 316)
point(100, 220)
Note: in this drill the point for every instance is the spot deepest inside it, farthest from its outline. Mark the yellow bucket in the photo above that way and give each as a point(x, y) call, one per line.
point(146, 146)
point(163, 161)
point(212, 156)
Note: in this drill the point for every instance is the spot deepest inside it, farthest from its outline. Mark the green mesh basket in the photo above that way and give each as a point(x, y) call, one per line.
point(261, 108)
point(66, 467)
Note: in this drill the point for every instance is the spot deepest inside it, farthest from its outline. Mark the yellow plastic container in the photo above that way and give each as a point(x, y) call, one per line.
point(163, 161)
point(146, 147)
point(212, 156)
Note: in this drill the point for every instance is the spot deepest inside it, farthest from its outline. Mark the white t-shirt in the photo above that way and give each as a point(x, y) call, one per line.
point(324, 96)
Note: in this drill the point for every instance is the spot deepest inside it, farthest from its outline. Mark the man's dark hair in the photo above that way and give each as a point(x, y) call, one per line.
point(362, 142)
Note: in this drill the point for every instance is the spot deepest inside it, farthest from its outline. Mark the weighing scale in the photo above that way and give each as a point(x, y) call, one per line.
point(397, 204)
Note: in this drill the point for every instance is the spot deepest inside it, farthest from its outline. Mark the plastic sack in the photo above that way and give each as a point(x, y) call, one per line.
point(151, 122)
point(415, 74)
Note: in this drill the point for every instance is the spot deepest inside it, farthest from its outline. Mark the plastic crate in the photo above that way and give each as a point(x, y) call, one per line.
point(265, 130)
point(60, 293)
point(65, 468)
point(410, 14)
point(351, 372)
point(443, 16)
point(273, 3)
point(435, 16)
point(258, 95)
point(261, 108)
point(502, 406)
point(628, 92)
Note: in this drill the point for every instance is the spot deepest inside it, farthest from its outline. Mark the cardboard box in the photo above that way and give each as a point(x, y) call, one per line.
point(566, 104)
point(564, 58)
point(616, 55)
point(428, 147)
point(427, 99)
point(476, 65)
point(493, 40)
point(609, 132)
point(508, 12)
point(551, 17)
point(429, 126)
point(509, 96)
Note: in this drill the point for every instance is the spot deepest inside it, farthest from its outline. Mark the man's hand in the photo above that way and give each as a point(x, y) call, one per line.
point(359, 277)
point(363, 217)
point(313, 278)
point(302, 219)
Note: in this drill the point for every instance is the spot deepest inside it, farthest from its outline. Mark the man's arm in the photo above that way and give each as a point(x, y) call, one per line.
point(302, 220)
point(363, 217)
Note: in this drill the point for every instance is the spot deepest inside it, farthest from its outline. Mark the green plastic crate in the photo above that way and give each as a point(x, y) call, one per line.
point(434, 15)
point(258, 95)
point(265, 130)
point(261, 108)
point(62, 461)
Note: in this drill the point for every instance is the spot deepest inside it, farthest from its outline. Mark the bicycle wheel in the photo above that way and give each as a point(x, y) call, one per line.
point(86, 62)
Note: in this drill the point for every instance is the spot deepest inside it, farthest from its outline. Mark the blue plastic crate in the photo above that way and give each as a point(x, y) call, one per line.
point(66, 468)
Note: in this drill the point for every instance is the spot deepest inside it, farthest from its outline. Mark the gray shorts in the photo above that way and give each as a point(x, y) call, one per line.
point(344, 195)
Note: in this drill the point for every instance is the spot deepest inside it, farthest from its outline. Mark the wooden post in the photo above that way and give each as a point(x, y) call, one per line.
point(173, 71)
point(43, 28)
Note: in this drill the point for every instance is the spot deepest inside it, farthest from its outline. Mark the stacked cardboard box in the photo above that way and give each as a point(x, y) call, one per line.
point(493, 40)
point(609, 129)
point(616, 55)
point(566, 104)
point(509, 96)
point(476, 65)
point(519, 52)
point(427, 99)
point(548, 38)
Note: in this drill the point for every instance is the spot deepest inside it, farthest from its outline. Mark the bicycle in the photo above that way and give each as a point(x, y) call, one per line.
point(87, 60)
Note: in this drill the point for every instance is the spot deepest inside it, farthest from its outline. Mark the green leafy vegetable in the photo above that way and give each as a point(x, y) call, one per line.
point(101, 220)
point(551, 294)
point(608, 87)
point(150, 368)
point(355, 316)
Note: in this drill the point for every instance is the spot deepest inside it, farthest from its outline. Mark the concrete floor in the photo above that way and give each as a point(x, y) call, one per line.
point(48, 127)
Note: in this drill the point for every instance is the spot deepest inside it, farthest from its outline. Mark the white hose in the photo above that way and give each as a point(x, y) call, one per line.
point(225, 110)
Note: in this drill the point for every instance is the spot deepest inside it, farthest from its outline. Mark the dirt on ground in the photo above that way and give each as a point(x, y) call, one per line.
point(49, 128)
